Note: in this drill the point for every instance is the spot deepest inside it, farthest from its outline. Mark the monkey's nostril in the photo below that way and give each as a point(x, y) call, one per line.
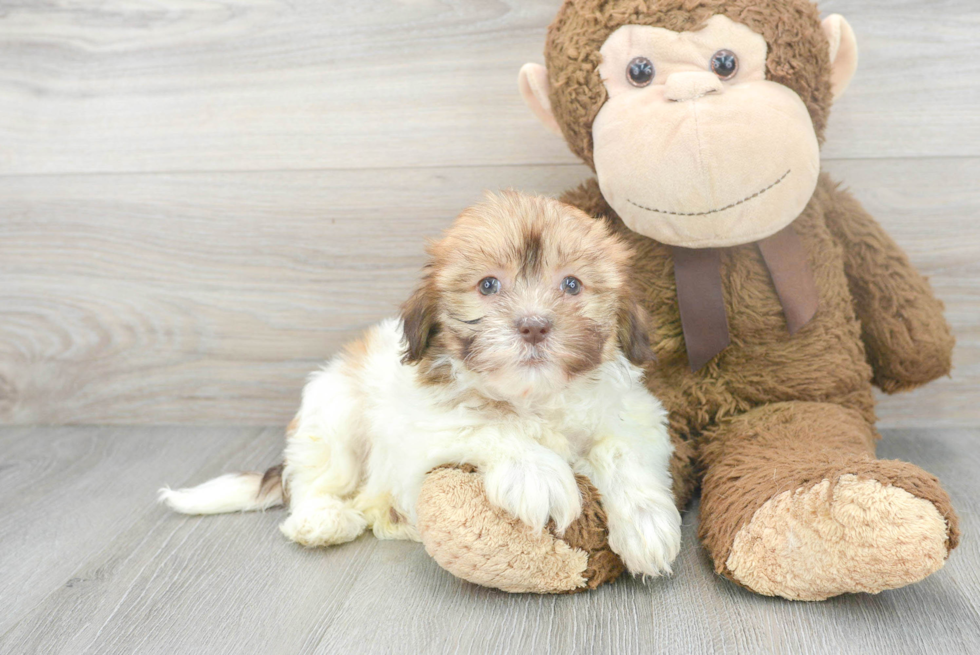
point(685, 86)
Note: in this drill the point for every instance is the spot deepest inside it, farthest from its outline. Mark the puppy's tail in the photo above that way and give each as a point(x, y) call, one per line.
point(234, 492)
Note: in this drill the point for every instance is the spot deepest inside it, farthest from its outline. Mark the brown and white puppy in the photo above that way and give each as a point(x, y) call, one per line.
point(519, 353)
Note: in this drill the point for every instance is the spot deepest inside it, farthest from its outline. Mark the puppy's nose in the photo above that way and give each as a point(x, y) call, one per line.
point(534, 329)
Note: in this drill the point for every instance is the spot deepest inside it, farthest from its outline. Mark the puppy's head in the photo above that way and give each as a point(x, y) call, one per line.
point(527, 292)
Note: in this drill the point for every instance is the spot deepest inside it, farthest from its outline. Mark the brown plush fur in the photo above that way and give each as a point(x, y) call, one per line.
point(773, 412)
point(826, 362)
point(884, 285)
point(484, 545)
point(793, 446)
point(588, 533)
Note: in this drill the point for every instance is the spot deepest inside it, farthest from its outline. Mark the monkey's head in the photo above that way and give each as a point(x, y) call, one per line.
point(701, 118)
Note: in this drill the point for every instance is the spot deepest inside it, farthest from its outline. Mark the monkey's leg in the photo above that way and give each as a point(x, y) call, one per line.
point(683, 468)
point(794, 504)
point(481, 543)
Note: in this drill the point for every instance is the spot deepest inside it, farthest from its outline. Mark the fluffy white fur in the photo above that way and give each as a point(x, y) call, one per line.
point(374, 431)
point(370, 427)
point(233, 492)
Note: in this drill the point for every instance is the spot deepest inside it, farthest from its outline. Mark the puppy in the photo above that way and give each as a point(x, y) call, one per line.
point(519, 353)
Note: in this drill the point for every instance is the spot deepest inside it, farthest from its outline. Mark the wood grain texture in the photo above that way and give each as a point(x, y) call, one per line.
point(66, 494)
point(200, 201)
point(163, 583)
point(208, 298)
point(180, 85)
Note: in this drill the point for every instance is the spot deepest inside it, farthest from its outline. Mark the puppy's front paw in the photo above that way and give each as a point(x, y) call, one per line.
point(534, 488)
point(647, 537)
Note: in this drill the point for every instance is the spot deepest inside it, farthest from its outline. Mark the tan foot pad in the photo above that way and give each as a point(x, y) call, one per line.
point(487, 546)
point(858, 536)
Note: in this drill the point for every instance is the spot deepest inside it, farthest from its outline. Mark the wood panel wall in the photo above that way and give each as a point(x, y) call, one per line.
point(200, 201)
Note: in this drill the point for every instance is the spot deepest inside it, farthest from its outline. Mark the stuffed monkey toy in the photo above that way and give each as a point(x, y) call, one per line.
point(777, 303)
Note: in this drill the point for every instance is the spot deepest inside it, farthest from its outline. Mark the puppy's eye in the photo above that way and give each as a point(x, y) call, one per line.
point(640, 71)
point(489, 286)
point(724, 64)
point(571, 285)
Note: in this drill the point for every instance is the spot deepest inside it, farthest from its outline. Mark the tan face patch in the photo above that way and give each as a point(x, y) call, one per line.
point(572, 89)
point(689, 158)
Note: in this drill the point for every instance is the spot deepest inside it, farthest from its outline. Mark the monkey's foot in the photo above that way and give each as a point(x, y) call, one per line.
point(858, 535)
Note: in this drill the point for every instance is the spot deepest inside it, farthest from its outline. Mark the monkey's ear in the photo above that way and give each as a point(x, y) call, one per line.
point(843, 52)
point(533, 81)
point(419, 323)
point(634, 333)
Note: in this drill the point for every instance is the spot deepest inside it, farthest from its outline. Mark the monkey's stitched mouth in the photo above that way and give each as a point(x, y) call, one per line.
point(713, 211)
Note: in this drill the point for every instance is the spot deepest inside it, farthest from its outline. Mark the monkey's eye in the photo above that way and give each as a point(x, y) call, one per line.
point(724, 64)
point(640, 71)
point(489, 286)
point(571, 285)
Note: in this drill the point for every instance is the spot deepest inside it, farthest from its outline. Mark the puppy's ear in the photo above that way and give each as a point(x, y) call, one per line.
point(634, 333)
point(419, 322)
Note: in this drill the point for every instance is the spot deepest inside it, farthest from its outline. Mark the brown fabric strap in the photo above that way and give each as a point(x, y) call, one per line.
point(791, 275)
point(701, 300)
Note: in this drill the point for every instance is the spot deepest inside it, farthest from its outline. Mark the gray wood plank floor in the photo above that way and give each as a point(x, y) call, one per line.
point(90, 564)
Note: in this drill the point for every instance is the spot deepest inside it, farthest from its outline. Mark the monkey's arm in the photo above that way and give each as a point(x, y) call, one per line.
point(908, 340)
